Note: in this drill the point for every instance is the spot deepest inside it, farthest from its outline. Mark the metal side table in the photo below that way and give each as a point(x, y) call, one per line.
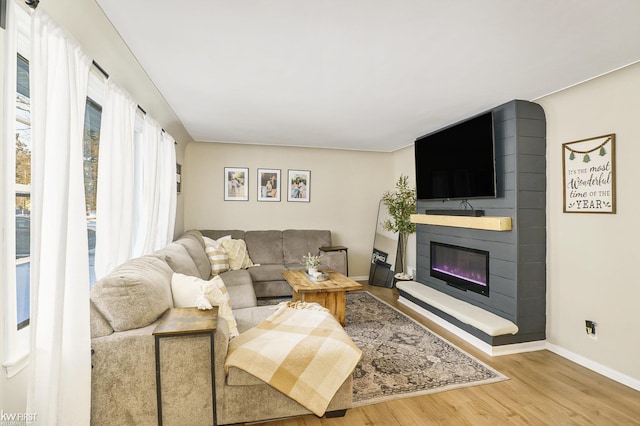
point(339, 248)
point(186, 322)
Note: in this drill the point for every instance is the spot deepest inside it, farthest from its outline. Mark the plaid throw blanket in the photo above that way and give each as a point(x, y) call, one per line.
point(300, 350)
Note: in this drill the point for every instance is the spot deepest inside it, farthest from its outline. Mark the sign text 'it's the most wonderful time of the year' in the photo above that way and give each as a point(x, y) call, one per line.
point(589, 175)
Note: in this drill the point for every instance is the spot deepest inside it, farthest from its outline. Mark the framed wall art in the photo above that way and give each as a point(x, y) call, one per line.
point(299, 184)
point(235, 184)
point(268, 184)
point(589, 175)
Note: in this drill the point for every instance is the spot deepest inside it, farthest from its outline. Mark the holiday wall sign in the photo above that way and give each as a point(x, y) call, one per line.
point(589, 180)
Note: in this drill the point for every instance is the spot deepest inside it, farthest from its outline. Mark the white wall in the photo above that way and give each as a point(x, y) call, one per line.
point(346, 187)
point(86, 22)
point(592, 259)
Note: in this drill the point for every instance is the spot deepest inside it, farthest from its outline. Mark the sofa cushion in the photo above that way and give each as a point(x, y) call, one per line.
point(186, 290)
point(218, 259)
point(196, 249)
point(240, 288)
point(238, 254)
point(265, 246)
point(135, 294)
point(297, 243)
point(247, 318)
point(178, 258)
point(273, 289)
point(238, 377)
point(267, 272)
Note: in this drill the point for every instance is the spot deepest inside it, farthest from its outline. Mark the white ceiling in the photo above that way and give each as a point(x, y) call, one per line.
point(364, 74)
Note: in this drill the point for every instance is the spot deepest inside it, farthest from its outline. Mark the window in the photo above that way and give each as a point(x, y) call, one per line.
point(93, 115)
point(16, 193)
point(92, 120)
point(16, 196)
point(23, 192)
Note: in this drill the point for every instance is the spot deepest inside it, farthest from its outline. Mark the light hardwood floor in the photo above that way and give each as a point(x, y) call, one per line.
point(544, 389)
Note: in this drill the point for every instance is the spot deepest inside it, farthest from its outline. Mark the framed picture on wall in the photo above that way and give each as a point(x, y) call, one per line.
point(268, 184)
point(235, 184)
point(589, 175)
point(298, 185)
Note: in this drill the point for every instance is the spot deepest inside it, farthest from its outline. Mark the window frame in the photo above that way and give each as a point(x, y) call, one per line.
point(16, 341)
point(21, 188)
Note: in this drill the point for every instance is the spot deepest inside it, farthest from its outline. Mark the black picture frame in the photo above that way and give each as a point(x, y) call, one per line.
point(268, 185)
point(236, 184)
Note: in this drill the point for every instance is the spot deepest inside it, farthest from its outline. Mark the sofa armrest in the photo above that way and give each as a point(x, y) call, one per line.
point(99, 325)
point(336, 260)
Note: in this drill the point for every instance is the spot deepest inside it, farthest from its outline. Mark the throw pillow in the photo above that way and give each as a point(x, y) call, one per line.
point(215, 243)
point(218, 259)
point(238, 254)
point(186, 290)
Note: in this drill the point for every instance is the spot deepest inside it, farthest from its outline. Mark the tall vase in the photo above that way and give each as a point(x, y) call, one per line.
point(403, 238)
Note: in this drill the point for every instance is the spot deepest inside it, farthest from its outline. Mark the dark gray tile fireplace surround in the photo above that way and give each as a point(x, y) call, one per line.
point(517, 257)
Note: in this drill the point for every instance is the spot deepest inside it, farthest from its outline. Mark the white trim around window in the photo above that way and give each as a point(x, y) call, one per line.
point(16, 342)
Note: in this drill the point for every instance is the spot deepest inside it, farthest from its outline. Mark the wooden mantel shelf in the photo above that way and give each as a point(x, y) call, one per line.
point(489, 223)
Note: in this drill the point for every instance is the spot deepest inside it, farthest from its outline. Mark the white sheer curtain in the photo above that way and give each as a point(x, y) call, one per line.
point(155, 189)
point(60, 381)
point(114, 216)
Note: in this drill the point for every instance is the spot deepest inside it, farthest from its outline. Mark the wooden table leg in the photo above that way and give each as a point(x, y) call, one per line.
point(335, 302)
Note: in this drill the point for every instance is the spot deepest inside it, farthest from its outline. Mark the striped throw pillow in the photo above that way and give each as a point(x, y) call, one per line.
point(218, 259)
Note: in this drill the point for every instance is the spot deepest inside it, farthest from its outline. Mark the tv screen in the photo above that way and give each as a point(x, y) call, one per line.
point(457, 162)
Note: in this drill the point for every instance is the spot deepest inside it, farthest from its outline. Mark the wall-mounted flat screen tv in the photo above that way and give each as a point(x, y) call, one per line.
point(457, 162)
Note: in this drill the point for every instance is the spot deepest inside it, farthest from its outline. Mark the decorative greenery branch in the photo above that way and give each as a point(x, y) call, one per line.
point(311, 261)
point(586, 157)
point(401, 204)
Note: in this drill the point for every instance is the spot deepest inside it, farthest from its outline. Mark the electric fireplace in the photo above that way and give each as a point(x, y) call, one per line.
point(461, 267)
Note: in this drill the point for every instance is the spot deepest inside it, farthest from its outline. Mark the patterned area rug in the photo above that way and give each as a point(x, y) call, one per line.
point(401, 358)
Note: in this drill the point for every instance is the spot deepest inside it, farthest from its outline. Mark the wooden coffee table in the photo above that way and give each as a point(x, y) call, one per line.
point(332, 293)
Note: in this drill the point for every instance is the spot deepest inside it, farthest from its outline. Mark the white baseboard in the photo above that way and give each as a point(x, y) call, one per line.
point(525, 347)
point(362, 278)
point(594, 366)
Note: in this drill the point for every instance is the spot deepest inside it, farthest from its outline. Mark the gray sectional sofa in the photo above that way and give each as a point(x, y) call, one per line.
point(127, 304)
point(277, 251)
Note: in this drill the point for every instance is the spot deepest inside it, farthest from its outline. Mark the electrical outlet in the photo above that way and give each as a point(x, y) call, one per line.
point(590, 327)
